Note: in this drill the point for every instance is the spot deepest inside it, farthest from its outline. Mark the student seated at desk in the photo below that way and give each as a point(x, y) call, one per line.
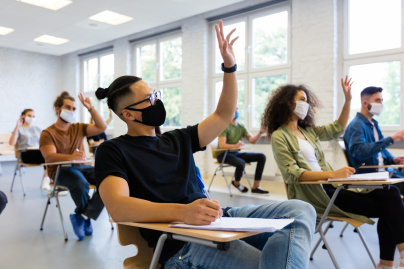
point(364, 141)
point(26, 135)
point(63, 141)
point(147, 178)
point(289, 118)
point(230, 139)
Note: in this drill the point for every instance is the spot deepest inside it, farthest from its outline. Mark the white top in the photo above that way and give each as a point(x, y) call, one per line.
point(28, 138)
point(308, 152)
point(379, 156)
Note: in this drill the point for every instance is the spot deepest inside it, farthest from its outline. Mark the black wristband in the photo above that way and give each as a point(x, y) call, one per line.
point(229, 70)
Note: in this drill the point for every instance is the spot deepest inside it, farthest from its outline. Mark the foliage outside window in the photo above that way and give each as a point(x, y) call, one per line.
point(98, 71)
point(373, 55)
point(159, 63)
point(262, 53)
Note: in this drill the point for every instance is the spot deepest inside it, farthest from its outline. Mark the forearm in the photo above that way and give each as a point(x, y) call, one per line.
point(228, 99)
point(254, 139)
point(363, 151)
point(344, 116)
point(13, 137)
point(315, 176)
point(98, 120)
point(138, 210)
point(227, 146)
point(58, 157)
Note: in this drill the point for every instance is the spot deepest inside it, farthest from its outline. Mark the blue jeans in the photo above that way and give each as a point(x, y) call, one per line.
point(78, 179)
point(238, 159)
point(286, 248)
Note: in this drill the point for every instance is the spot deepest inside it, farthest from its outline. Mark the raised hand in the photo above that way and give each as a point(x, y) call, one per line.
point(20, 121)
point(85, 101)
point(225, 45)
point(346, 87)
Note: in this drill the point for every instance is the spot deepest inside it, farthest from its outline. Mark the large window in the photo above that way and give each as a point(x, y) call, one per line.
point(374, 55)
point(159, 63)
point(97, 71)
point(262, 54)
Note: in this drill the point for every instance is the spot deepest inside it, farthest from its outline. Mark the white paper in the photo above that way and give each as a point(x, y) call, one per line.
point(364, 177)
point(240, 225)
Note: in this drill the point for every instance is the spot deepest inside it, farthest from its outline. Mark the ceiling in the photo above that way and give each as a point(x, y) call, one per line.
point(72, 22)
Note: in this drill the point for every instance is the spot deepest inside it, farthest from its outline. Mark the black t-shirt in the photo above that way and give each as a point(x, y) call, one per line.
point(159, 169)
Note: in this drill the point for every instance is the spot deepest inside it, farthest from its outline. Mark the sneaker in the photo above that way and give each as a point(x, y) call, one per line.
point(78, 225)
point(88, 228)
point(259, 191)
point(45, 183)
point(240, 187)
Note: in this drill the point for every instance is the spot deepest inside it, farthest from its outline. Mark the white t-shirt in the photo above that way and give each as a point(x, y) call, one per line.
point(28, 137)
point(308, 152)
point(379, 156)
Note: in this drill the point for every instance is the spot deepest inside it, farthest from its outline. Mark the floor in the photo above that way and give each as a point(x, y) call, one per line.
point(23, 245)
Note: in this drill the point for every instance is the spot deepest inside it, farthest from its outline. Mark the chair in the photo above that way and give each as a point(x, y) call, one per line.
point(19, 165)
point(330, 220)
point(54, 193)
point(128, 233)
point(223, 165)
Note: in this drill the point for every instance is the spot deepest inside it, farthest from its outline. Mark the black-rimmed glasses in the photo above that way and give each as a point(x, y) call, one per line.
point(152, 99)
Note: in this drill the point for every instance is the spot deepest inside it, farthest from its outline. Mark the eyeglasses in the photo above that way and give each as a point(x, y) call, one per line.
point(152, 99)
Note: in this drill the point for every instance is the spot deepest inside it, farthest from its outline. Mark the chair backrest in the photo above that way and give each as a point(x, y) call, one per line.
point(128, 235)
point(343, 149)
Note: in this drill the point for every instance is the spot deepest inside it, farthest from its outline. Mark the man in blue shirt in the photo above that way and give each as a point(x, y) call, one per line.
point(364, 140)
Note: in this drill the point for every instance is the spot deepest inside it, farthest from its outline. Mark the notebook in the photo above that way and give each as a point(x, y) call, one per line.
point(240, 225)
point(376, 176)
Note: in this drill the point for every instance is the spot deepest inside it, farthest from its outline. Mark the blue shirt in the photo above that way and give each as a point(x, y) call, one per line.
point(361, 145)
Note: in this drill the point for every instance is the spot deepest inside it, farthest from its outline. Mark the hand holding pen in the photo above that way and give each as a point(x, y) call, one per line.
point(358, 165)
point(204, 190)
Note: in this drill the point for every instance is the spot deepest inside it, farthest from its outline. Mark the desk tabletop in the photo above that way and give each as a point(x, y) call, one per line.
point(70, 162)
point(382, 166)
point(356, 182)
point(218, 236)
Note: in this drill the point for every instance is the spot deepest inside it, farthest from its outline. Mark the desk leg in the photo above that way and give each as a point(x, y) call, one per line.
point(327, 210)
point(157, 251)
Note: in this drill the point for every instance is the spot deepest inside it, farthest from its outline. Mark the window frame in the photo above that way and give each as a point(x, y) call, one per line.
point(250, 72)
point(83, 59)
point(159, 84)
point(379, 56)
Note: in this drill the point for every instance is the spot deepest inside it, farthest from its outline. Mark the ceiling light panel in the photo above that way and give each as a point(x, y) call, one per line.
point(53, 40)
point(5, 30)
point(111, 17)
point(49, 4)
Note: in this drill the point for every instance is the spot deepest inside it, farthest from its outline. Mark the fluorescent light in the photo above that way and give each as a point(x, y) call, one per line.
point(5, 30)
point(49, 4)
point(53, 40)
point(110, 17)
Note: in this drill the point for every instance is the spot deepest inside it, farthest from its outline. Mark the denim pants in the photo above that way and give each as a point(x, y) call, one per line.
point(238, 159)
point(78, 179)
point(286, 248)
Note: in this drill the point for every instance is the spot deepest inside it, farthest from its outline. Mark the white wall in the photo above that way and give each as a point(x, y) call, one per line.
point(27, 80)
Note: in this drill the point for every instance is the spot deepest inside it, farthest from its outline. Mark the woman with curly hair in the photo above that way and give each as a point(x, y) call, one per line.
point(289, 120)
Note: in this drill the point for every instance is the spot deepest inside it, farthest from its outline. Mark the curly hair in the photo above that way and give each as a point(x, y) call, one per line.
point(279, 108)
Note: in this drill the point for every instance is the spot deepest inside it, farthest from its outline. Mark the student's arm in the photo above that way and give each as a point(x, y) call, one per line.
point(114, 192)
point(346, 87)
point(50, 155)
point(14, 134)
point(213, 125)
point(108, 121)
point(324, 175)
point(99, 125)
point(254, 139)
point(224, 145)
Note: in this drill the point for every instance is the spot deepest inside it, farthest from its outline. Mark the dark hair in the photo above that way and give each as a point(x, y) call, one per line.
point(118, 90)
point(368, 91)
point(279, 108)
point(59, 100)
point(25, 111)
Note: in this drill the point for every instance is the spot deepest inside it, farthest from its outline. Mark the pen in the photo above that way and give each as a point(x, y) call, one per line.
point(203, 189)
point(359, 165)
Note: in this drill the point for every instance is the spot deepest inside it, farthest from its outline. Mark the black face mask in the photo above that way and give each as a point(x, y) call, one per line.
point(152, 115)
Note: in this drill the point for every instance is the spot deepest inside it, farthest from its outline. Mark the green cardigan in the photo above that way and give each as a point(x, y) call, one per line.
point(292, 164)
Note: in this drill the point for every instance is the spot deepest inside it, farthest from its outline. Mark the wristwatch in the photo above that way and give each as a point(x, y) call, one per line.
point(230, 69)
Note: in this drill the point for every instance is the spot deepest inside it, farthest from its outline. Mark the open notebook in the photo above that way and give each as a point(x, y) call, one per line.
point(240, 225)
point(364, 177)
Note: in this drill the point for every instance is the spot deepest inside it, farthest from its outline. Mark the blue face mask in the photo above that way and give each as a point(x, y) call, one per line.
point(236, 115)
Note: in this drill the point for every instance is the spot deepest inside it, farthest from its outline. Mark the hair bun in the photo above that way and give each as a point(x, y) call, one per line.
point(101, 93)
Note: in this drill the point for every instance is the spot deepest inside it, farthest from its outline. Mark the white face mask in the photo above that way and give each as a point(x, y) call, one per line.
point(301, 109)
point(376, 109)
point(66, 115)
point(29, 120)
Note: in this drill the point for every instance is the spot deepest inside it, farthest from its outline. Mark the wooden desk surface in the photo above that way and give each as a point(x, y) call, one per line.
point(382, 166)
point(218, 236)
point(356, 182)
point(70, 162)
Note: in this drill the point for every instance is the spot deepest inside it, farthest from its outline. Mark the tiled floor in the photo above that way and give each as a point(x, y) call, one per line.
point(23, 245)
